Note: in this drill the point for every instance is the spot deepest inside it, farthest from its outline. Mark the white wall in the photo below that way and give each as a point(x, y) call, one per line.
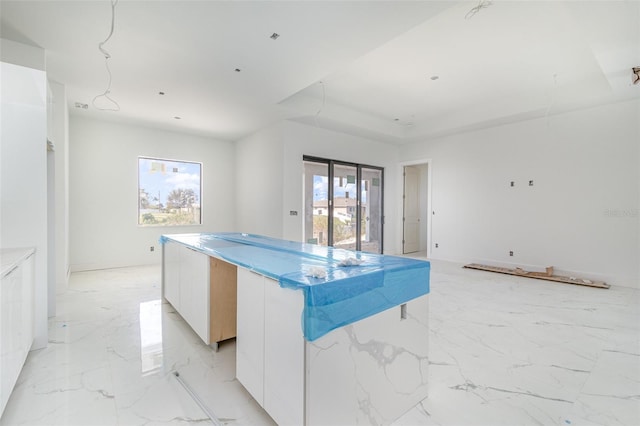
point(269, 175)
point(59, 134)
point(51, 232)
point(258, 183)
point(423, 206)
point(103, 190)
point(23, 175)
point(581, 215)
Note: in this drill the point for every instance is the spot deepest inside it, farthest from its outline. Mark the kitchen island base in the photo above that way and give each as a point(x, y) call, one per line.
point(324, 336)
point(368, 372)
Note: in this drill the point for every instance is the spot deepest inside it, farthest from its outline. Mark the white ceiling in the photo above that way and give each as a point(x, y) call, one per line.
point(363, 67)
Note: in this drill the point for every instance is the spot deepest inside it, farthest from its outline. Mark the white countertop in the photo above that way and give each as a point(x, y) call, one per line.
point(11, 257)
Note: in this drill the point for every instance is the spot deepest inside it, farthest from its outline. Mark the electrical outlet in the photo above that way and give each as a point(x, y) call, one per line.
point(511, 253)
point(513, 183)
point(152, 248)
point(436, 245)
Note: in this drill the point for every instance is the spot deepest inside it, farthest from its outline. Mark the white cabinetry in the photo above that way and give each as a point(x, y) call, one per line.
point(283, 354)
point(171, 273)
point(194, 292)
point(202, 289)
point(270, 346)
point(186, 286)
point(250, 338)
point(16, 317)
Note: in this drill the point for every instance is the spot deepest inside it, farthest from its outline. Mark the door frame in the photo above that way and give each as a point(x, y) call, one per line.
point(330, 173)
point(400, 225)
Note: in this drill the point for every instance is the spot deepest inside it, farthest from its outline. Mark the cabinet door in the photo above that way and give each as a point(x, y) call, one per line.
point(250, 330)
point(3, 396)
point(194, 291)
point(10, 334)
point(28, 308)
point(171, 273)
point(283, 354)
point(5, 341)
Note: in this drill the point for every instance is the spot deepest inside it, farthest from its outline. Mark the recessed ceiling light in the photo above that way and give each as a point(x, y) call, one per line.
point(434, 77)
point(274, 36)
point(177, 118)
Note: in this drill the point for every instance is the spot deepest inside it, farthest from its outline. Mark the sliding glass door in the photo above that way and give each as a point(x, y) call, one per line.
point(371, 208)
point(343, 204)
point(316, 203)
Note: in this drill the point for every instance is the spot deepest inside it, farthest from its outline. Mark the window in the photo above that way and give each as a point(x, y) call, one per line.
point(345, 213)
point(169, 192)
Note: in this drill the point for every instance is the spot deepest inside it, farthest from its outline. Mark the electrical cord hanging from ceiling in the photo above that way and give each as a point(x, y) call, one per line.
point(321, 106)
point(107, 56)
point(552, 101)
point(482, 4)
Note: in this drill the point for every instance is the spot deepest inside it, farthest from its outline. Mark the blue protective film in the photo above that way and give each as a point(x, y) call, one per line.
point(339, 286)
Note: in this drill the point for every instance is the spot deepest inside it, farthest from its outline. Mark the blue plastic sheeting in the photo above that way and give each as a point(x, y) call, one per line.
point(335, 295)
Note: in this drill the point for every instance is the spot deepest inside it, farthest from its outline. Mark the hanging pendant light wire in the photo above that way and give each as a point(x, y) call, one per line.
point(106, 94)
point(315, 118)
point(482, 4)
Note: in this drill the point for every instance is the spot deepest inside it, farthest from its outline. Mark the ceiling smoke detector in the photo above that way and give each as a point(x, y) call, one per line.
point(635, 77)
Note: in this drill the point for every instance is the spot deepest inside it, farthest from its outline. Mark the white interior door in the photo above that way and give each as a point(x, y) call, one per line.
point(411, 211)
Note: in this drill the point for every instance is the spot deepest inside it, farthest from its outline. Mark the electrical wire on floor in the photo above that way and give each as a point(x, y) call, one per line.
point(197, 399)
point(107, 56)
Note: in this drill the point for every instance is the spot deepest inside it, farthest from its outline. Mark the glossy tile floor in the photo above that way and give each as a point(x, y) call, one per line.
point(504, 351)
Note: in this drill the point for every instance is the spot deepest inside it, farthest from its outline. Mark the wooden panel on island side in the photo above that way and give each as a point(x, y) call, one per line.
point(223, 294)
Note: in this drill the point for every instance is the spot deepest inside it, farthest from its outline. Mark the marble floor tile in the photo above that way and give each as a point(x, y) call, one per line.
point(508, 350)
point(504, 350)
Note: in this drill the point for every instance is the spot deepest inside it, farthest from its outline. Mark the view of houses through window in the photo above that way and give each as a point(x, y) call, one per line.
point(348, 213)
point(169, 192)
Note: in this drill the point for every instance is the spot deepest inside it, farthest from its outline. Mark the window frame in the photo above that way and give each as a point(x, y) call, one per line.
point(200, 195)
point(330, 176)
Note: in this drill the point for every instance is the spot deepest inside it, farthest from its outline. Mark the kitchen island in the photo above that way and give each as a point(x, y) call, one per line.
point(323, 335)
